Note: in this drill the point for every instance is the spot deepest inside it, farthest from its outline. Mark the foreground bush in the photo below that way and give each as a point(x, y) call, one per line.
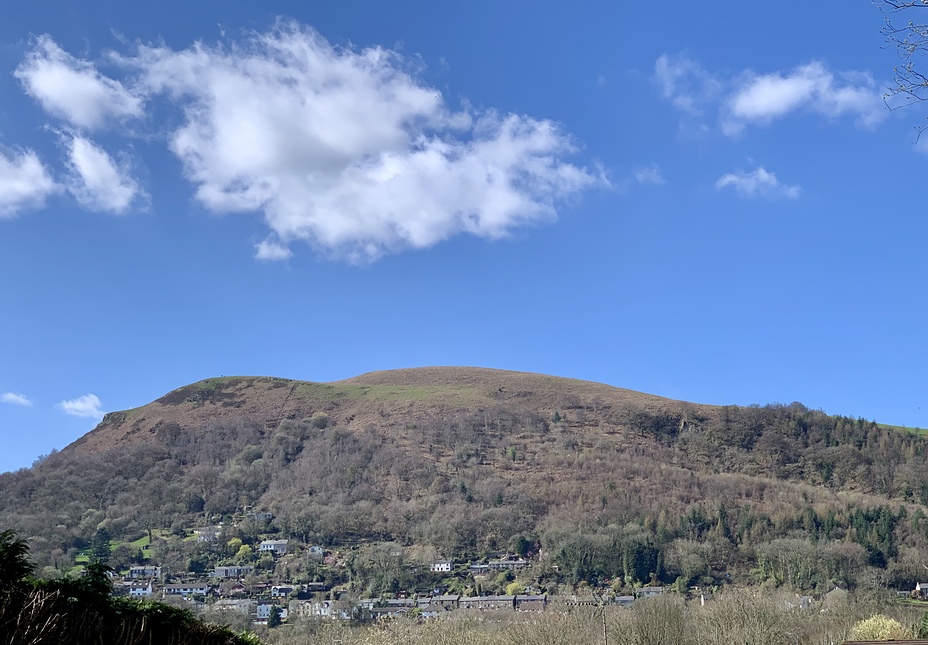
point(79, 611)
point(879, 628)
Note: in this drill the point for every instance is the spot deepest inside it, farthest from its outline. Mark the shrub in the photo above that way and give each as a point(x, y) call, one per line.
point(879, 628)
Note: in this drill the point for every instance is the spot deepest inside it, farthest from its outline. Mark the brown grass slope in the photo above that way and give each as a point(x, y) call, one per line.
point(369, 398)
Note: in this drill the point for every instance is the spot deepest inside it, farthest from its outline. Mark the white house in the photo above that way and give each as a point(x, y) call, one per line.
point(277, 547)
point(187, 589)
point(263, 612)
point(442, 566)
point(144, 571)
point(207, 533)
point(140, 589)
point(314, 609)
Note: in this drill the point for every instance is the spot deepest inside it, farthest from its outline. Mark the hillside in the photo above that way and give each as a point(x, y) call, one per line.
point(607, 483)
point(358, 401)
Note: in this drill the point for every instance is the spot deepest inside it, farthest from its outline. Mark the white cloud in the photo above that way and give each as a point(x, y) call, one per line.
point(96, 180)
point(88, 406)
point(650, 175)
point(349, 151)
point(759, 182)
point(761, 99)
point(15, 399)
point(24, 182)
point(73, 89)
point(271, 251)
point(688, 86)
point(750, 98)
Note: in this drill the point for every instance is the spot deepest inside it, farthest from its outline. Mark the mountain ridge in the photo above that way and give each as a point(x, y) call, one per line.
point(270, 399)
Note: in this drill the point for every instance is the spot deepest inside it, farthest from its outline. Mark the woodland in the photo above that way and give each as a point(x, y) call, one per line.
point(597, 494)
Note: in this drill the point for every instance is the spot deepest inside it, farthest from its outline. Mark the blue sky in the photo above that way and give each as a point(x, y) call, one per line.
point(707, 201)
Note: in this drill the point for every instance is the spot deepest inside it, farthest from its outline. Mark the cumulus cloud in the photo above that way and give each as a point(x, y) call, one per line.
point(650, 175)
point(763, 98)
point(73, 89)
point(96, 180)
point(348, 150)
point(15, 399)
point(751, 98)
point(87, 406)
point(760, 182)
point(24, 182)
point(271, 251)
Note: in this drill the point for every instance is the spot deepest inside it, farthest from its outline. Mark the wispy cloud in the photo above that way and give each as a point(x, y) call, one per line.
point(15, 399)
point(96, 180)
point(685, 83)
point(88, 406)
point(650, 174)
point(25, 182)
point(748, 98)
point(73, 89)
point(758, 182)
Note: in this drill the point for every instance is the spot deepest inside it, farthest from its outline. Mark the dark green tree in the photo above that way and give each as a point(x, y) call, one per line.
point(274, 619)
point(15, 566)
point(100, 547)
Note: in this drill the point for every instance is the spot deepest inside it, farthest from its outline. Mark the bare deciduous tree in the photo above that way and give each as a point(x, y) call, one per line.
point(907, 31)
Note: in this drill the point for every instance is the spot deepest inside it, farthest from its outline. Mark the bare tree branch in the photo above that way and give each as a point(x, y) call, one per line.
point(910, 39)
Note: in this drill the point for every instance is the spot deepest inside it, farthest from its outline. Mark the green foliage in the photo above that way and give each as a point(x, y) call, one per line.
point(15, 566)
point(75, 611)
point(100, 547)
point(273, 619)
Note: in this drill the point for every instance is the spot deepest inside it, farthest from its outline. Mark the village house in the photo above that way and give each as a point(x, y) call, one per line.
point(144, 571)
point(207, 533)
point(186, 589)
point(315, 587)
point(802, 603)
point(433, 610)
point(242, 605)
point(316, 552)
point(530, 602)
point(140, 589)
point(448, 601)
point(505, 564)
point(623, 601)
point(485, 603)
point(650, 592)
point(263, 612)
point(277, 547)
point(232, 572)
point(441, 566)
point(280, 591)
point(313, 609)
point(234, 589)
point(259, 516)
point(387, 612)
